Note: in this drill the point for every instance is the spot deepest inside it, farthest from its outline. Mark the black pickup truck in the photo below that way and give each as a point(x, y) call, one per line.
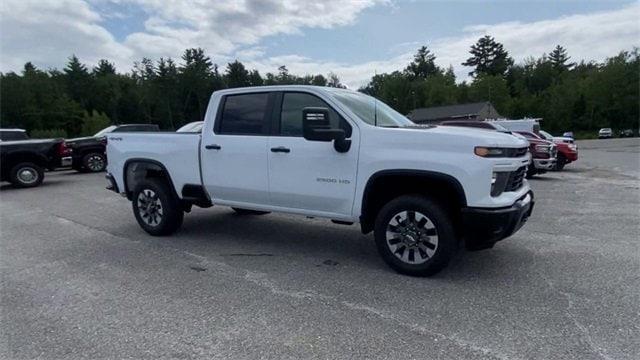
point(23, 162)
point(89, 153)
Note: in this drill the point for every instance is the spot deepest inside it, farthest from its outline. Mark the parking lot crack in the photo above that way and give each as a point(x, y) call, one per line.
point(570, 313)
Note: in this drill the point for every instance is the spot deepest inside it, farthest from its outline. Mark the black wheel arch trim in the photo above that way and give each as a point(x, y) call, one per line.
point(163, 168)
point(366, 221)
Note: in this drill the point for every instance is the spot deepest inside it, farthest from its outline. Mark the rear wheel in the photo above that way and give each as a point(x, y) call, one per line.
point(414, 235)
point(240, 211)
point(94, 162)
point(26, 175)
point(156, 208)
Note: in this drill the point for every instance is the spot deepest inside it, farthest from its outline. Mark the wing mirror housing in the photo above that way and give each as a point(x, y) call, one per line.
point(317, 127)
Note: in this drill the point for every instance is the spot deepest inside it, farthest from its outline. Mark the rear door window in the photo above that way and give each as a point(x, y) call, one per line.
point(244, 114)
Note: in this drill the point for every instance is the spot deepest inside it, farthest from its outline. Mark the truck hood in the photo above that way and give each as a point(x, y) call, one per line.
point(470, 136)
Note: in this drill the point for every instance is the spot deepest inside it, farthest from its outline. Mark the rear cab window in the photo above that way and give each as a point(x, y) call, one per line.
point(13, 135)
point(244, 114)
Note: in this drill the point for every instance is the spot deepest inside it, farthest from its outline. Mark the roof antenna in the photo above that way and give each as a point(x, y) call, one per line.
point(375, 104)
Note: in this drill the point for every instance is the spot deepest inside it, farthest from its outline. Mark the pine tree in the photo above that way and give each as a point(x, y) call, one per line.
point(104, 68)
point(558, 58)
point(78, 82)
point(488, 57)
point(423, 65)
point(236, 75)
point(255, 79)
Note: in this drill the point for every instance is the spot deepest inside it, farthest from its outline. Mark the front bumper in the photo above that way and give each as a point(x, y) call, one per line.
point(113, 185)
point(483, 227)
point(571, 156)
point(544, 164)
point(66, 161)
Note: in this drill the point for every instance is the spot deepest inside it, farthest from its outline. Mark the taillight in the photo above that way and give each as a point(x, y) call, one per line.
point(103, 141)
point(63, 149)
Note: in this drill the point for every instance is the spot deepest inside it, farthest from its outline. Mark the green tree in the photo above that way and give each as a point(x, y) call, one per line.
point(104, 68)
point(93, 122)
point(334, 81)
point(78, 81)
point(236, 75)
point(488, 57)
point(423, 65)
point(491, 88)
point(558, 58)
point(255, 79)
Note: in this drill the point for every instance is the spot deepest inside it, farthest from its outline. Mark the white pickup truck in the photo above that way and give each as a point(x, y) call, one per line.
point(336, 154)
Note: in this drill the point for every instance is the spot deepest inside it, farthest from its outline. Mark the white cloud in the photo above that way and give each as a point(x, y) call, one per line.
point(48, 31)
point(594, 36)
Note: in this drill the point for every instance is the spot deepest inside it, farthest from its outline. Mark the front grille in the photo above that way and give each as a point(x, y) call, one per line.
point(516, 179)
point(516, 152)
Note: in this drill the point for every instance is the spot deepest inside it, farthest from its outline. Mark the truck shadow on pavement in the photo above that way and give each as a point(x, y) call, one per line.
point(303, 243)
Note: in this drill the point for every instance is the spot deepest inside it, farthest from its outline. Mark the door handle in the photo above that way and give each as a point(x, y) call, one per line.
point(281, 149)
point(213, 147)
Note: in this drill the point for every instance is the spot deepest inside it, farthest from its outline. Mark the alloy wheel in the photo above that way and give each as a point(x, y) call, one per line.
point(95, 163)
point(150, 207)
point(412, 237)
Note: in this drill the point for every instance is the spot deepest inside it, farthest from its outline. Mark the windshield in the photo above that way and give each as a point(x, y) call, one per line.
point(371, 110)
point(545, 135)
point(501, 128)
point(105, 130)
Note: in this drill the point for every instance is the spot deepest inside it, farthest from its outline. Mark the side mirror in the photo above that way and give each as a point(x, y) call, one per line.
point(317, 127)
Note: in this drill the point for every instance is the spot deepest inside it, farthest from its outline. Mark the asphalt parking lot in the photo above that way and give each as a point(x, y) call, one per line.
point(80, 279)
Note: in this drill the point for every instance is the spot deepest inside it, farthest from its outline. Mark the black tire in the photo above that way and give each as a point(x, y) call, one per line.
point(442, 245)
point(94, 162)
point(560, 162)
point(240, 211)
point(164, 216)
point(26, 175)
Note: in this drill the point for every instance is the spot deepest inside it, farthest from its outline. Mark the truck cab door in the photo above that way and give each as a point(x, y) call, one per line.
point(310, 177)
point(233, 153)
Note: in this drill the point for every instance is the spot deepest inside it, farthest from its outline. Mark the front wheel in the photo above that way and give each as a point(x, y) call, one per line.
point(25, 175)
point(156, 208)
point(414, 235)
point(560, 163)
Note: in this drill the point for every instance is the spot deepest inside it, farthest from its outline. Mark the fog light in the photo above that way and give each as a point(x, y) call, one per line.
point(499, 182)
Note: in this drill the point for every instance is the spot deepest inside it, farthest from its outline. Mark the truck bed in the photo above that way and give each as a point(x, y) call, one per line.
point(178, 152)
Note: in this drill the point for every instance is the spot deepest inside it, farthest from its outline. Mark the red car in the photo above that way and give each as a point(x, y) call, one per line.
point(567, 151)
point(543, 154)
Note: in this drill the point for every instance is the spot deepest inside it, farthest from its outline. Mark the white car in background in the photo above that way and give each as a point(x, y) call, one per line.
point(605, 133)
point(556, 139)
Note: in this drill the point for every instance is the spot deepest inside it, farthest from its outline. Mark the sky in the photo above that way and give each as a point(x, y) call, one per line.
point(353, 38)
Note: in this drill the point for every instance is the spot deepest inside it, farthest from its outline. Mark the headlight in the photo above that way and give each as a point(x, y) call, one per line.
point(489, 151)
point(543, 148)
point(573, 147)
